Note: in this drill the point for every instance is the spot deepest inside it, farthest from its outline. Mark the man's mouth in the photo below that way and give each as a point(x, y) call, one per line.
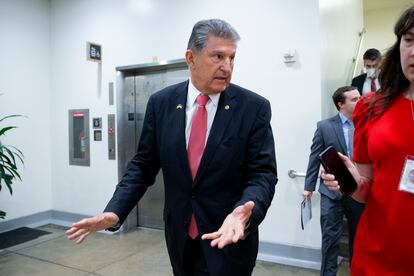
point(221, 78)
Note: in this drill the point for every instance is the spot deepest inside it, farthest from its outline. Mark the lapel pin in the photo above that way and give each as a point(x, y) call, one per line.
point(226, 107)
point(180, 106)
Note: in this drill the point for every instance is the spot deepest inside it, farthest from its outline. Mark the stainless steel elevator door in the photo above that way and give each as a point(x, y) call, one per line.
point(136, 90)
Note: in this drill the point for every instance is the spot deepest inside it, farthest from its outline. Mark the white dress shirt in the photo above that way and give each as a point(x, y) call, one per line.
point(367, 85)
point(191, 108)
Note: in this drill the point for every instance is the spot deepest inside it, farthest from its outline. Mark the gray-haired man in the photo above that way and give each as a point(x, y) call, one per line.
point(217, 157)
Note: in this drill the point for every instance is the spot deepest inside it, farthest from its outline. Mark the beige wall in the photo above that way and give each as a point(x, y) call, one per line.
point(379, 25)
point(339, 44)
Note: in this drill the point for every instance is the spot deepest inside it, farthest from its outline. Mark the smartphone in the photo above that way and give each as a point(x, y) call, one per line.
point(333, 164)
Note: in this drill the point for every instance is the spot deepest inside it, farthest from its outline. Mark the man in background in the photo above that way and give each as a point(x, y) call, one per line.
point(368, 82)
point(336, 131)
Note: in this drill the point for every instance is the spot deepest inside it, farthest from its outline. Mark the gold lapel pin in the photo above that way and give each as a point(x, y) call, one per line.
point(226, 107)
point(180, 106)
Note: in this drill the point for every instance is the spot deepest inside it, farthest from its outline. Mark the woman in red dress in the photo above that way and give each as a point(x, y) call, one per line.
point(384, 164)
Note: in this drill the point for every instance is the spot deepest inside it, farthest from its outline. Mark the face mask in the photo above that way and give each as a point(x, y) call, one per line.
point(371, 73)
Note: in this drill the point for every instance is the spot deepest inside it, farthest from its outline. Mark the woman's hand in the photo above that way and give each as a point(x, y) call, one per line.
point(363, 181)
point(329, 179)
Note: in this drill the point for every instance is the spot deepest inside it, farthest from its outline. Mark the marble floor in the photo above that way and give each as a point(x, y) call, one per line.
point(138, 252)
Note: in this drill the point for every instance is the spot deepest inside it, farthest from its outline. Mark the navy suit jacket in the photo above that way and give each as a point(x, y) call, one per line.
point(238, 165)
point(328, 132)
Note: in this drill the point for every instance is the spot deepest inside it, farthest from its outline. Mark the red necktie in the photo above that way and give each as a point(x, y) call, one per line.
point(373, 86)
point(195, 149)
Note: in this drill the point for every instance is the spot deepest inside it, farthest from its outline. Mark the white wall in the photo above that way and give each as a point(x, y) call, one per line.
point(130, 36)
point(25, 84)
point(341, 21)
point(333, 45)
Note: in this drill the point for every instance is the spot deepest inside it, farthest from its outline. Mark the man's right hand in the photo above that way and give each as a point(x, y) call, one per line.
point(83, 228)
point(307, 194)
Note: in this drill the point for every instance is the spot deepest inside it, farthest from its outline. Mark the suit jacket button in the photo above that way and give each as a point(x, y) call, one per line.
point(193, 195)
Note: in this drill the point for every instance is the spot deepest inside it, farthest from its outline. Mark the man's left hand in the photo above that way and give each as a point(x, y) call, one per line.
point(233, 227)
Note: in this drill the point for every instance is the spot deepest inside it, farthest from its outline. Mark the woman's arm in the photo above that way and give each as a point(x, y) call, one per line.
point(364, 182)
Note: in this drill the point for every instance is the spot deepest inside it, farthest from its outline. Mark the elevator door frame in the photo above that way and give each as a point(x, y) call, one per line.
point(125, 146)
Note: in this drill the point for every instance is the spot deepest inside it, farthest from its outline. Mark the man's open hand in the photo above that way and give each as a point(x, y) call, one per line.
point(81, 229)
point(232, 229)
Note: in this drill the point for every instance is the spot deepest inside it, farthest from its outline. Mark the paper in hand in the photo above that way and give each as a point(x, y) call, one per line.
point(305, 212)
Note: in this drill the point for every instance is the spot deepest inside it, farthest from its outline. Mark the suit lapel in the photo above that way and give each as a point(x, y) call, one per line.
point(225, 110)
point(339, 132)
point(178, 103)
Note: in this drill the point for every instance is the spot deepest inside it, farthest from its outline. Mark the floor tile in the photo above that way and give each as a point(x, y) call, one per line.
point(97, 251)
point(138, 252)
point(13, 264)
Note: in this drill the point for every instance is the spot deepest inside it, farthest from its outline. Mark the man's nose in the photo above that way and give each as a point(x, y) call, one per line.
point(227, 64)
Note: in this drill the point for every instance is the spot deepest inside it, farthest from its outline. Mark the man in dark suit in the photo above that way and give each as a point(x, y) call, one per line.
point(215, 146)
point(336, 131)
point(368, 82)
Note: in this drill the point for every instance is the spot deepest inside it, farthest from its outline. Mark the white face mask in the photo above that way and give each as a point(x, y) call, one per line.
point(372, 73)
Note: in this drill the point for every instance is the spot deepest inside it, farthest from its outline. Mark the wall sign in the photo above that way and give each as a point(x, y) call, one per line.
point(97, 135)
point(94, 52)
point(97, 122)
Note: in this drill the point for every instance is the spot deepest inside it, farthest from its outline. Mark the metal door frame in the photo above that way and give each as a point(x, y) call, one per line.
point(124, 72)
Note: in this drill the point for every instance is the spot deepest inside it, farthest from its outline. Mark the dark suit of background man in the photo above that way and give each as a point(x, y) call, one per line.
point(336, 131)
point(214, 143)
point(368, 82)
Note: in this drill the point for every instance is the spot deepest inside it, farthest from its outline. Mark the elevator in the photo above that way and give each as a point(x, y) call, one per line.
point(135, 84)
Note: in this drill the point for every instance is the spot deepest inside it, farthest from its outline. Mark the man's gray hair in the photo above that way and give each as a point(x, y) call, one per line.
point(210, 27)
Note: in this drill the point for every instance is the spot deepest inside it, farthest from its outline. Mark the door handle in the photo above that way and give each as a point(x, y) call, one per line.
point(294, 174)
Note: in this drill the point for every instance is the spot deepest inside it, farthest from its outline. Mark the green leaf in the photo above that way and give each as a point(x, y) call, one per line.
point(9, 180)
point(2, 172)
point(5, 129)
point(12, 172)
point(17, 153)
point(9, 156)
point(11, 116)
point(10, 153)
point(6, 160)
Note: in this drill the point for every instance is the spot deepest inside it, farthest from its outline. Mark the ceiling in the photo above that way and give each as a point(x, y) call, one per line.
point(381, 4)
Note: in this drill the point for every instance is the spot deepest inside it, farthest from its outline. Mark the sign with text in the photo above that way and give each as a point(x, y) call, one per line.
point(94, 52)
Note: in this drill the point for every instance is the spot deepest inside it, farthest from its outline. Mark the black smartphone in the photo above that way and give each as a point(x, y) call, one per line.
point(333, 164)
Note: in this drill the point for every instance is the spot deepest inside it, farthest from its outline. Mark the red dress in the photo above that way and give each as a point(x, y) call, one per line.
point(384, 242)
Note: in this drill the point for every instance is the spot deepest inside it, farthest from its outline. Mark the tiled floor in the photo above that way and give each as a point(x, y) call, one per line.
point(140, 252)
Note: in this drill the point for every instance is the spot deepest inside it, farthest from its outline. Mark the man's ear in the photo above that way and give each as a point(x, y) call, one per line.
point(189, 58)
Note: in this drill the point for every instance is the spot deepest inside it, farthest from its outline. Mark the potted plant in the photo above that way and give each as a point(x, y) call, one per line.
point(9, 156)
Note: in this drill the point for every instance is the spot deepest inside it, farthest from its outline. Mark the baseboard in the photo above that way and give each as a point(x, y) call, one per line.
point(40, 219)
point(290, 255)
point(34, 219)
point(270, 252)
